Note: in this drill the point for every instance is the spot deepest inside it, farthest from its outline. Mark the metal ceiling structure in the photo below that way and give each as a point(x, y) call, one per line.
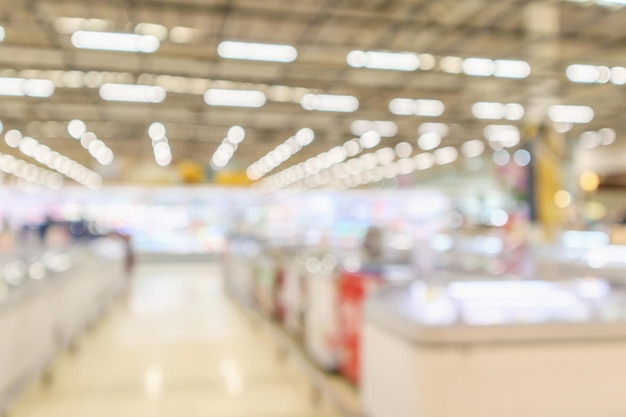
point(37, 44)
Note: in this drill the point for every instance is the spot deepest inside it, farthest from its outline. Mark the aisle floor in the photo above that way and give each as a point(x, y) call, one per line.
point(177, 346)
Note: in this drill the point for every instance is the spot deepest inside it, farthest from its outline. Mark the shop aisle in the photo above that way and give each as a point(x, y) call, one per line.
point(177, 347)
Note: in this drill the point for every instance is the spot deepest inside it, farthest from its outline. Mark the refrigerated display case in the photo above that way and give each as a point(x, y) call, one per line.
point(494, 348)
point(47, 297)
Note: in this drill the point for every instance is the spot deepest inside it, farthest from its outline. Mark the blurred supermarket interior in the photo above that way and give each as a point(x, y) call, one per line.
point(339, 208)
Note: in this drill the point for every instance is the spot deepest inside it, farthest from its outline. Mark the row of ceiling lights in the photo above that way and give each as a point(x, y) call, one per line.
point(228, 147)
point(96, 147)
point(30, 173)
point(321, 169)
point(324, 169)
point(96, 34)
point(281, 153)
point(335, 103)
point(52, 159)
point(160, 144)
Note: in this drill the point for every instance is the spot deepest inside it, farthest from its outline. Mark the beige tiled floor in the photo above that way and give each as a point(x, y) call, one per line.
point(177, 347)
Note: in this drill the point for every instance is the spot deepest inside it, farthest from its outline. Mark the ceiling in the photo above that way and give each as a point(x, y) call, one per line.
point(323, 33)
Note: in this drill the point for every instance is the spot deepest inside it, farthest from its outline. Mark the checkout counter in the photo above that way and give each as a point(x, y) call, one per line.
point(495, 348)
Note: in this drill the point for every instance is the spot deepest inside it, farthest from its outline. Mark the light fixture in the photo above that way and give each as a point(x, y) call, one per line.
point(109, 41)
point(608, 135)
point(132, 93)
point(618, 75)
point(503, 135)
point(156, 131)
point(511, 69)
point(589, 181)
point(495, 111)
point(473, 148)
point(76, 128)
point(54, 160)
point(329, 102)
point(383, 156)
point(39, 88)
point(446, 155)
point(570, 114)
point(582, 73)
point(419, 107)
point(479, 67)
point(424, 160)
point(234, 98)
point(427, 61)
point(429, 141)
point(2, 33)
point(451, 64)
point(501, 157)
point(257, 51)
point(13, 138)
point(522, 157)
point(403, 150)
point(280, 153)
point(369, 139)
point(236, 134)
point(395, 61)
point(384, 127)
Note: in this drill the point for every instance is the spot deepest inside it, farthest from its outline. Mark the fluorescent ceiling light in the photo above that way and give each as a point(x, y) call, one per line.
point(479, 67)
point(384, 127)
point(369, 139)
point(424, 160)
point(132, 93)
point(38, 88)
point(23, 87)
point(451, 64)
point(496, 111)
point(571, 114)
point(234, 98)
point(473, 148)
point(2, 33)
point(156, 131)
point(445, 155)
point(12, 86)
point(582, 73)
point(109, 41)
point(76, 128)
point(396, 61)
point(419, 107)
point(427, 61)
point(488, 110)
point(429, 141)
point(328, 102)
point(618, 75)
point(504, 135)
point(236, 134)
point(257, 51)
point(511, 69)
